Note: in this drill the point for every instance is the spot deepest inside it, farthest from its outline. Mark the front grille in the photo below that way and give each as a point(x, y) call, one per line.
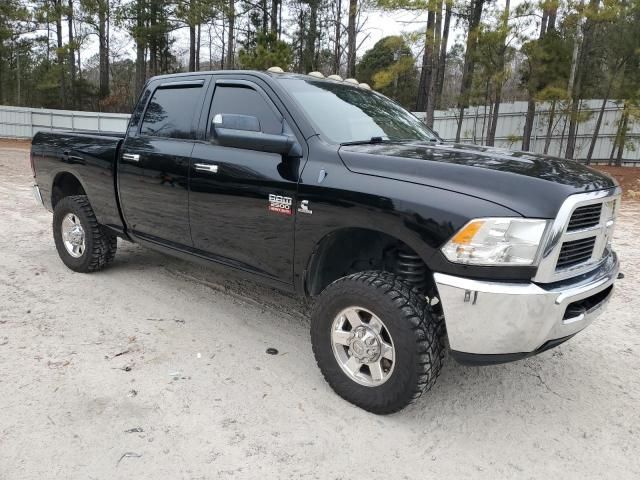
point(575, 252)
point(585, 217)
point(580, 236)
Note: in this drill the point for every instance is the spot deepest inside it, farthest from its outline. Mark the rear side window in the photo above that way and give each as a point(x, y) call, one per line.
point(170, 113)
point(246, 101)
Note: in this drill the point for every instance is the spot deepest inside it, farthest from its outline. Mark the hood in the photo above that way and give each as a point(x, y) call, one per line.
point(532, 185)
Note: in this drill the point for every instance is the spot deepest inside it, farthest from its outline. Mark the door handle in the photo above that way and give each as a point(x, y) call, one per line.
point(206, 167)
point(132, 157)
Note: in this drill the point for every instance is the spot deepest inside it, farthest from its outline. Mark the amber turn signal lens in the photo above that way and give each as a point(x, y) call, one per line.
point(464, 236)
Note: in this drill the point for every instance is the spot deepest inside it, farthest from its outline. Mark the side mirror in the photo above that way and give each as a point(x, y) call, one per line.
point(244, 131)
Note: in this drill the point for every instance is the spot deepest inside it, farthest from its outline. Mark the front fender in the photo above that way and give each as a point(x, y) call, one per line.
point(422, 217)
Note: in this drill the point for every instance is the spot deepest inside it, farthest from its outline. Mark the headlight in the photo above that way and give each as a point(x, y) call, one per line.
point(496, 241)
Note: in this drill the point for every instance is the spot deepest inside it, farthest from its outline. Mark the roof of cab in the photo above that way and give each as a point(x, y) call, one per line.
point(258, 73)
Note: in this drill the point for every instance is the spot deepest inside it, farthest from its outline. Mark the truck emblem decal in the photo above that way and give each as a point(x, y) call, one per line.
point(280, 204)
point(304, 207)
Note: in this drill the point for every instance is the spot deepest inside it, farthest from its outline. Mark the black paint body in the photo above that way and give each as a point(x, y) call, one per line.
point(420, 194)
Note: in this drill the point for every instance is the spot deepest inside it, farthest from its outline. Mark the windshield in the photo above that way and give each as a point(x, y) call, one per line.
point(345, 113)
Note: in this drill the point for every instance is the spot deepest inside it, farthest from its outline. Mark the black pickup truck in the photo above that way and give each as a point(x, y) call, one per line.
point(410, 246)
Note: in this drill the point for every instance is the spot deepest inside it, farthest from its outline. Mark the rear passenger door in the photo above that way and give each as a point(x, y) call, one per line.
point(242, 211)
point(154, 164)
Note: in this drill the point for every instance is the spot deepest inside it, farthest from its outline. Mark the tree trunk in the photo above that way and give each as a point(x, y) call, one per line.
point(622, 134)
point(48, 21)
point(280, 19)
point(274, 16)
point(141, 73)
point(573, 97)
point(265, 16)
point(543, 23)
point(192, 48)
point(547, 139)
point(469, 63)
point(545, 26)
point(300, 44)
point(596, 130)
point(19, 78)
point(337, 53)
point(581, 53)
point(351, 38)
point(551, 21)
point(564, 129)
point(442, 57)
point(493, 125)
point(495, 116)
point(153, 40)
point(210, 66)
point(528, 123)
point(222, 49)
point(231, 20)
point(615, 142)
point(427, 64)
point(198, 45)
point(72, 56)
point(60, 54)
point(431, 99)
point(103, 49)
point(309, 59)
point(484, 113)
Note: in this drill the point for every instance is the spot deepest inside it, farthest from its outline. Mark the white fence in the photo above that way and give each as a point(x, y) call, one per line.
point(511, 125)
point(18, 122)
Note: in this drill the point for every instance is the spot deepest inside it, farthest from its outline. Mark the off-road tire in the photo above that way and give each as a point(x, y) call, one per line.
point(417, 333)
point(100, 245)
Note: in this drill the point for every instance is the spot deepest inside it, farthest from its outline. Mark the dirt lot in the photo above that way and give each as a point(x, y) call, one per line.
point(157, 369)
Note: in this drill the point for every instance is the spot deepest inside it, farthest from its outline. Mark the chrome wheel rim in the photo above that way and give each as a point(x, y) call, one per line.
point(362, 346)
point(73, 236)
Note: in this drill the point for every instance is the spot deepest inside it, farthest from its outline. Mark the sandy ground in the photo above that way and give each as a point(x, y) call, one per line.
point(157, 369)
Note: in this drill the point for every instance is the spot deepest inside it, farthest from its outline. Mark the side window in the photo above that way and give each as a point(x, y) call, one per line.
point(245, 101)
point(170, 113)
point(137, 113)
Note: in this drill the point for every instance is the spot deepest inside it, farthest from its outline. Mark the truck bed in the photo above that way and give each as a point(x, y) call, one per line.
point(91, 157)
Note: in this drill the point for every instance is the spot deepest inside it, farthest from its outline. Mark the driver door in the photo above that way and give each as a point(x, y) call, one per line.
point(233, 192)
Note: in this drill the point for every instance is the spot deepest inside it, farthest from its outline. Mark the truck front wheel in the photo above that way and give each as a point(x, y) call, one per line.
point(376, 341)
point(82, 243)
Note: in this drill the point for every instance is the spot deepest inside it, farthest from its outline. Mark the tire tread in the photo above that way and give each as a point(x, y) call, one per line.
point(104, 244)
point(427, 328)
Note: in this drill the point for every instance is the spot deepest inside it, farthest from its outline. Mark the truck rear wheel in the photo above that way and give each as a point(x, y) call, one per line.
point(82, 243)
point(376, 341)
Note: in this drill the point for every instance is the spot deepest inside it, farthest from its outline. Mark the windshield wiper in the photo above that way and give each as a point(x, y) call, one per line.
point(371, 141)
point(376, 140)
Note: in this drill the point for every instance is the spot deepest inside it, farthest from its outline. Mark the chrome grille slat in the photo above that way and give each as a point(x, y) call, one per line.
point(585, 217)
point(575, 252)
point(567, 254)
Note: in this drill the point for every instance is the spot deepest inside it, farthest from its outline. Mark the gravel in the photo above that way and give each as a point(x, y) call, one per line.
point(156, 368)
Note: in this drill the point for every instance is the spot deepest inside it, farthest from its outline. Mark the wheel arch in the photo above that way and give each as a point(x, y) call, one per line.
point(65, 184)
point(348, 250)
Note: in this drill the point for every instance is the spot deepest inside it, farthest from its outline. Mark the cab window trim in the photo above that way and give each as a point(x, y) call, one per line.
point(239, 83)
point(187, 85)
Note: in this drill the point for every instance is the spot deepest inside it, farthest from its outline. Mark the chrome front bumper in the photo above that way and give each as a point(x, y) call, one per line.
point(512, 320)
